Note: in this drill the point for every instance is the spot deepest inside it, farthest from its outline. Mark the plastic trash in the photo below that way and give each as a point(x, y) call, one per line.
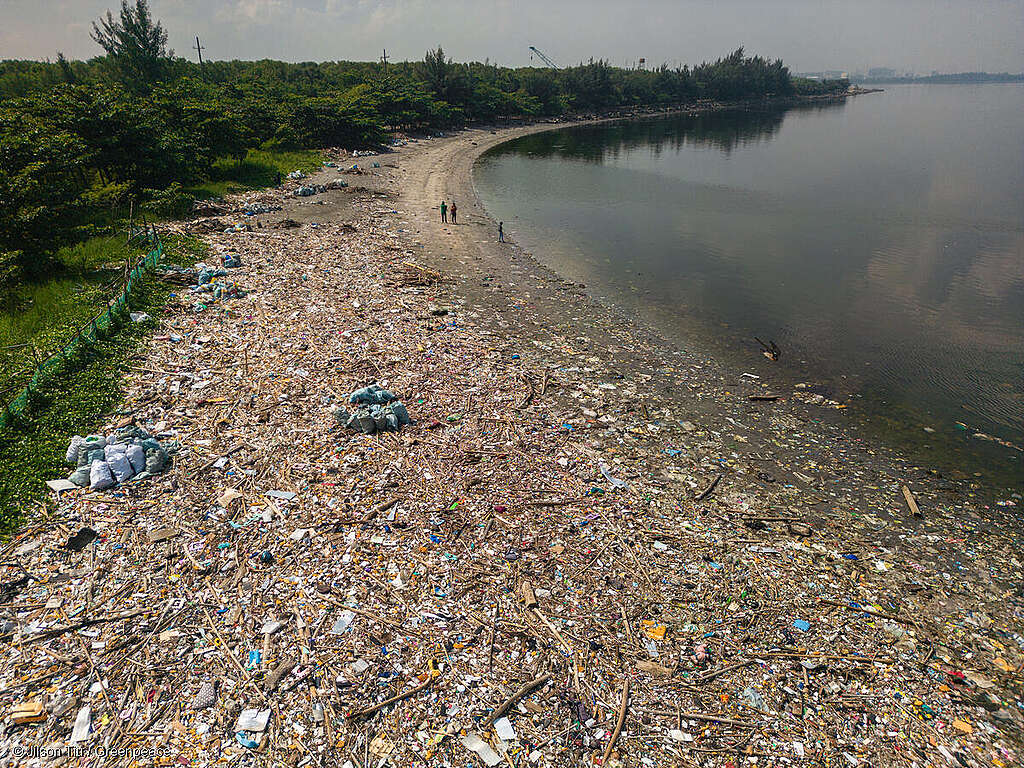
point(136, 457)
point(371, 395)
point(752, 698)
point(474, 743)
point(72, 453)
point(120, 467)
point(253, 720)
point(616, 483)
point(100, 476)
point(156, 460)
point(81, 476)
point(112, 449)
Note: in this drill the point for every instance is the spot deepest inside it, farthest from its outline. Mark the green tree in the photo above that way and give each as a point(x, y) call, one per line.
point(135, 44)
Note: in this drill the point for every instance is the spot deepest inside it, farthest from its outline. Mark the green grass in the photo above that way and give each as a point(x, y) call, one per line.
point(75, 399)
point(259, 169)
point(39, 317)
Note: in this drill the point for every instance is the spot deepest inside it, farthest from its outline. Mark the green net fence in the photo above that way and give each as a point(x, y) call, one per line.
point(88, 334)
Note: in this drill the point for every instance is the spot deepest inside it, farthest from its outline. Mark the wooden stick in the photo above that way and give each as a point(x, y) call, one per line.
point(822, 656)
point(56, 631)
point(215, 459)
point(230, 655)
point(515, 697)
point(381, 508)
point(910, 502)
point(618, 725)
point(712, 675)
point(392, 700)
point(707, 491)
point(869, 611)
point(700, 717)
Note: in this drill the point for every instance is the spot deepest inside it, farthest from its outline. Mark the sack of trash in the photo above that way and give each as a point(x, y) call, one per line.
point(381, 411)
point(104, 461)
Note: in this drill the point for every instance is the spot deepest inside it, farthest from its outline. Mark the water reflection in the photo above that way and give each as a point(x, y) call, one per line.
point(724, 131)
point(881, 243)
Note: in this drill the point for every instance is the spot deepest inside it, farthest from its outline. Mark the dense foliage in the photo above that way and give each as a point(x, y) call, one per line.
point(77, 137)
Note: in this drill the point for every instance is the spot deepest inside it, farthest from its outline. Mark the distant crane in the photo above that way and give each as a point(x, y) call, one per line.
point(542, 57)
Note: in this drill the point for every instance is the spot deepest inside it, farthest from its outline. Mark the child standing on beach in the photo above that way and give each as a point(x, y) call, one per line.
point(455, 213)
point(444, 213)
point(501, 231)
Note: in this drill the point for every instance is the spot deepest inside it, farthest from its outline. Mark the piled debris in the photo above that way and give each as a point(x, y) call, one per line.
point(381, 411)
point(308, 190)
point(104, 461)
point(554, 566)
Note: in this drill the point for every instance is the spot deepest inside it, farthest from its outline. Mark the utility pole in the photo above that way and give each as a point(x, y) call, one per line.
point(384, 59)
point(199, 48)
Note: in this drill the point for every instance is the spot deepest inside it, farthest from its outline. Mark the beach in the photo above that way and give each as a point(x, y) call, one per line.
point(589, 548)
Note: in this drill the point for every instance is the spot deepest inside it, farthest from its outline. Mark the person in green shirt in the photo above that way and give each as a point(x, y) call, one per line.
point(444, 212)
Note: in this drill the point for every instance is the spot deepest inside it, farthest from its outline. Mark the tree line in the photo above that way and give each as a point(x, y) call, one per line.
point(78, 136)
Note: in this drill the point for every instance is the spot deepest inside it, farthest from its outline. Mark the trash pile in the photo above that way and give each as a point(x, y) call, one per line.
point(255, 209)
point(381, 411)
point(105, 461)
point(570, 559)
point(207, 280)
point(295, 175)
point(308, 190)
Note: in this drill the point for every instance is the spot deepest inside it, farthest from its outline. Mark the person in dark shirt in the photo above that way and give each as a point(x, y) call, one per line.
point(501, 231)
point(444, 213)
point(455, 213)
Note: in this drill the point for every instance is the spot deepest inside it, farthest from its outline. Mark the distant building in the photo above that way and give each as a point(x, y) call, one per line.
point(881, 72)
point(829, 74)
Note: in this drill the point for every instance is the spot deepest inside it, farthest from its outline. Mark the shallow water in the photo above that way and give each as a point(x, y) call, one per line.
point(879, 243)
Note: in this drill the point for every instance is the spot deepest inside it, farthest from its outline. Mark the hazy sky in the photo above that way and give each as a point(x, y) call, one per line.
point(918, 35)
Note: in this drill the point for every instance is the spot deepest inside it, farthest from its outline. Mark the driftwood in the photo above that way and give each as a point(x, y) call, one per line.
point(618, 725)
point(707, 491)
point(511, 701)
point(393, 700)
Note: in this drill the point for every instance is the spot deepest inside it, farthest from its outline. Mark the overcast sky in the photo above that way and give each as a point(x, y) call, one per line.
point(917, 35)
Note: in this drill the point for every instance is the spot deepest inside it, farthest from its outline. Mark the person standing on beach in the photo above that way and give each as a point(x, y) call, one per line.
point(501, 231)
point(455, 213)
point(444, 213)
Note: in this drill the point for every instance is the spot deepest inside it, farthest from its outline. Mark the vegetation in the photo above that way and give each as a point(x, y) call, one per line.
point(81, 141)
point(86, 388)
point(80, 138)
point(87, 385)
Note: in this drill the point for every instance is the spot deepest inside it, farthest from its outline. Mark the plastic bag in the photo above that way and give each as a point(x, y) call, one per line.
point(112, 449)
point(72, 454)
point(136, 457)
point(100, 476)
point(80, 476)
point(121, 467)
point(156, 460)
point(400, 413)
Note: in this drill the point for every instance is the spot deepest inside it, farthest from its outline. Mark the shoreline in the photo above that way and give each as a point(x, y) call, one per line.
point(572, 506)
point(945, 458)
point(857, 426)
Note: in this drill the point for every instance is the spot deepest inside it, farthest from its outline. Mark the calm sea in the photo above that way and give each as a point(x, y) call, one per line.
point(878, 242)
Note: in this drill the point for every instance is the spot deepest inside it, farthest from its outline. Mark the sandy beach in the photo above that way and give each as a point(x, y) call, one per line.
point(589, 548)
